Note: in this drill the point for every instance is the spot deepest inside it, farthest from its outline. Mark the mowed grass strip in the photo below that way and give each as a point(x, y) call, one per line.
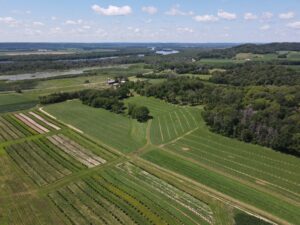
point(169, 126)
point(223, 184)
point(156, 106)
point(117, 131)
point(247, 168)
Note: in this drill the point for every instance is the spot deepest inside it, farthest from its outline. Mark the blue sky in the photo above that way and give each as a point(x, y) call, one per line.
point(150, 21)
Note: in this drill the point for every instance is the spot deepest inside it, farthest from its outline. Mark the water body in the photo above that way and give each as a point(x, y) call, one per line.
point(167, 52)
point(41, 75)
point(87, 60)
point(6, 62)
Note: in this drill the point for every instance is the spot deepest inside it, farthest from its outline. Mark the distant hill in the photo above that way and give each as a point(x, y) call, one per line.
point(90, 46)
point(250, 48)
point(267, 48)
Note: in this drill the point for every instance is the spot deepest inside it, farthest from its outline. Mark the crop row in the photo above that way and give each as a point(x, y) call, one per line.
point(81, 154)
point(41, 161)
point(171, 125)
point(11, 129)
point(198, 207)
point(29, 210)
point(114, 197)
point(37, 122)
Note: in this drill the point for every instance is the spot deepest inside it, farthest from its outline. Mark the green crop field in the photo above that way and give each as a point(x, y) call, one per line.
point(73, 164)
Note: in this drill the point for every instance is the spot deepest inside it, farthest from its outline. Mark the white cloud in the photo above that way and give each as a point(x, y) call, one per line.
point(112, 10)
point(53, 18)
point(38, 24)
point(176, 11)
point(250, 16)
point(86, 27)
point(9, 21)
point(185, 30)
point(55, 30)
point(73, 22)
point(286, 16)
point(294, 25)
point(265, 27)
point(135, 30)
point(150, 10)
point(206, 18)
point(226, 15)
point(267, 15)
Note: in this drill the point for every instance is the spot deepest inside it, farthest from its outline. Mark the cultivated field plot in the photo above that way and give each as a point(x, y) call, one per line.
point(15, 102)
point(48, 159)
point(37, 122)
point(118, 196)
point(264, 200)
point(29, 210)
point(18, 204)
point(42, 163)
point(171, 125)
point(81, 154)
point(256, 164)
point(11, 129)
point(115, 130)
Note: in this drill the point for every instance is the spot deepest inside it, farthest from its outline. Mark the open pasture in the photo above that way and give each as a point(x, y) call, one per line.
point(119, 197)
point(117, 131)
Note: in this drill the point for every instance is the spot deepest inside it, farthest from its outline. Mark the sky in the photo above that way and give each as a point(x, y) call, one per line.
point(195, 21)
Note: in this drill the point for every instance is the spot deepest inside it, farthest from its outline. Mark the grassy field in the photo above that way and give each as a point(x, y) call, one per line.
point(114, 170)
point(114, 130)
point(15, 102)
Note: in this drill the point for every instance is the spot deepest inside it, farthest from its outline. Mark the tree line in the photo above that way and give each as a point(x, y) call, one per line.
point(257, 74)
point(108, 99)
point(265, 115)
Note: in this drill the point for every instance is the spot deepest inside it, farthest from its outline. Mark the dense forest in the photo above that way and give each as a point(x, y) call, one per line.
point(268, 116)
point(257, 74)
